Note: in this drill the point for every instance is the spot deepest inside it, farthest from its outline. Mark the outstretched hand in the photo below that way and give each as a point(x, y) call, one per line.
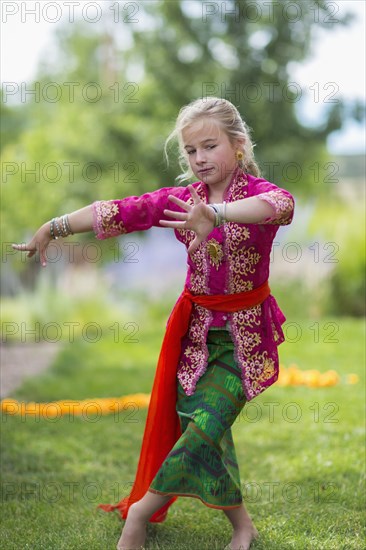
point(39, 243)
point(198, 217)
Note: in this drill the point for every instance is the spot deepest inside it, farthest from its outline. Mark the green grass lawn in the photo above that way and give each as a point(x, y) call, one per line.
point(300, 452)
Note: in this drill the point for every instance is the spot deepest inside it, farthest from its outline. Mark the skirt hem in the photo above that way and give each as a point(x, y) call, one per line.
point(195, 496)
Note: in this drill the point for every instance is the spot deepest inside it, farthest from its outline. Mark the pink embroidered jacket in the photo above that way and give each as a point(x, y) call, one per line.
point(234, 258)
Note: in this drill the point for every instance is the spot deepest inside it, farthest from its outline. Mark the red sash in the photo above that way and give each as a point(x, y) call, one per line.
point(162, 428)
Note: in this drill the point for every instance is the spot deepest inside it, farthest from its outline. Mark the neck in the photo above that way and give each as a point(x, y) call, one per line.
point(217, 195)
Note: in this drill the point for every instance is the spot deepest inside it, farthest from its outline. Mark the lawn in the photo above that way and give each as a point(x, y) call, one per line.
point(300, 451)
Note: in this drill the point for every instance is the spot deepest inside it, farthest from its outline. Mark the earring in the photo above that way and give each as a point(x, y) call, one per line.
point(239, 157)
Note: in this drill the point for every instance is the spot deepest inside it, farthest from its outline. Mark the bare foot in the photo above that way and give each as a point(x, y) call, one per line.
point(241, 539)
point(134, 531)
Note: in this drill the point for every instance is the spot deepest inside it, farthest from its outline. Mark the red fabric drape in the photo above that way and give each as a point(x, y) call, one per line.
point(162, 428)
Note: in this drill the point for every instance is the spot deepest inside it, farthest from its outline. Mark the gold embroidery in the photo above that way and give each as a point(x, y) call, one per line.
point(244, 261)
point(197, 326)
point(185, 376)
point(283, 205)
point(193, 363)
point(196, 356)
point(255, 347)
point(215, 252)
point(238, 189)
point(240, 285)
point(248, 341)
point(199, 272)
point(276, 336)
point(260, 368)
point(248, 317)
point(187, 236)
point(107, 226)
point(237, 234)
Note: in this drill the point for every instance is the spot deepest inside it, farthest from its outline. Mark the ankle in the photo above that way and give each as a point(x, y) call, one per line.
point(137, 511)
point(244, 531)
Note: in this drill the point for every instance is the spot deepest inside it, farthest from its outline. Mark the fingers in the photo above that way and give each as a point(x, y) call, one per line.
point(180, 203)
point(195, 197)
point(23, 247)
point(168, 223)
point(42, 257)
point(176, 215)
point(187, 207)
point(194, 245)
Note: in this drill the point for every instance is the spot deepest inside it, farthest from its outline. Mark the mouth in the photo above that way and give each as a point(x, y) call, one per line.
point(205, 170)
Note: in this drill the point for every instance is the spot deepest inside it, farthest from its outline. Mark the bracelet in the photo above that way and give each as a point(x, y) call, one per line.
point(224, 219)
point(60, 227)
point(67, 224)
point(66, 229)
point(58, 232)
point(220, 213)
point(216, 212)
point(52, 229)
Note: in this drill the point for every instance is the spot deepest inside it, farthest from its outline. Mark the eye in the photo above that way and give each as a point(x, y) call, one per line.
point(191, 151)
point(210, 146)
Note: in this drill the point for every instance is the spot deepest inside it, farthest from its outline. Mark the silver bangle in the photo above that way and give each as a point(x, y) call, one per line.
point(220, 213)
point(217, 214)
point(224, 219)
point(60, 227)
point(67, 224)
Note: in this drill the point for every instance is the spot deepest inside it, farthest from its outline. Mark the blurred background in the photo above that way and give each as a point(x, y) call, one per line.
point(91, 90)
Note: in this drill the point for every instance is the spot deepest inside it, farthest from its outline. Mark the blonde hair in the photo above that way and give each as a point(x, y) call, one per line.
point(228, 117)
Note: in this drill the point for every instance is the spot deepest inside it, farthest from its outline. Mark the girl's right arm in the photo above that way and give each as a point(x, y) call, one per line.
point(80, 221)
point(107, 219)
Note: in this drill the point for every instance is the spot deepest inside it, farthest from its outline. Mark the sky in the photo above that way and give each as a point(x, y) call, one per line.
point(335, 69)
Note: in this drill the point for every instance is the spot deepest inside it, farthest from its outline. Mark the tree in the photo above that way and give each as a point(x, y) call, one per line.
point(242, 51)
point(103, 135)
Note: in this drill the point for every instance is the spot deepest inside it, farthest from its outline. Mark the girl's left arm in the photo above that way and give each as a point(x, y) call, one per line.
point(273, 206)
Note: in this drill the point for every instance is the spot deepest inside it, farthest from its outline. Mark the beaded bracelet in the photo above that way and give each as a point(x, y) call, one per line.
point(52, 229)
point(60, 227)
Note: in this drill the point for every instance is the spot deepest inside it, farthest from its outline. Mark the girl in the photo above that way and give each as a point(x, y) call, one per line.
point(220, 346)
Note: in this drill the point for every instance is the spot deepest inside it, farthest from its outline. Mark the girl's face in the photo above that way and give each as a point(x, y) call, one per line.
point(210, 153)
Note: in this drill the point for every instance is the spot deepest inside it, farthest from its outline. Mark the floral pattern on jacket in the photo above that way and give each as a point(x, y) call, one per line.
point(234, 258)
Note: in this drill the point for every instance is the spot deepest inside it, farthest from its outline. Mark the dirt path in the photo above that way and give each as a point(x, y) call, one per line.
point(19, 361)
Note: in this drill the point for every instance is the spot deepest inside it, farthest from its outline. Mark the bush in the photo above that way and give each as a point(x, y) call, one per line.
point(343, 222)
point(347, 283)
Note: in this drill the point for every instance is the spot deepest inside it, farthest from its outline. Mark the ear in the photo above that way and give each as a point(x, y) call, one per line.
point(239, 143)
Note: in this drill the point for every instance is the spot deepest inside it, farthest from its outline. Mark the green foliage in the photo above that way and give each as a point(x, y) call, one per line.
point(244, 58)
point(81, 150)
point(85, 149)
point(347, 283)
point(342, 222)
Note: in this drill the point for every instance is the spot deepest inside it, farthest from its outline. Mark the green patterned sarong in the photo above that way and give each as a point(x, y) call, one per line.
point(203, 462)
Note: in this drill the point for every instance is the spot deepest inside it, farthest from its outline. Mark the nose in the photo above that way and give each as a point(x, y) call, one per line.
point(200, 156)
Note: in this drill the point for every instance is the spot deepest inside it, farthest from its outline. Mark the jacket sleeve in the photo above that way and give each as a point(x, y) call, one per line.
point(282, 202)
point(116, 217)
